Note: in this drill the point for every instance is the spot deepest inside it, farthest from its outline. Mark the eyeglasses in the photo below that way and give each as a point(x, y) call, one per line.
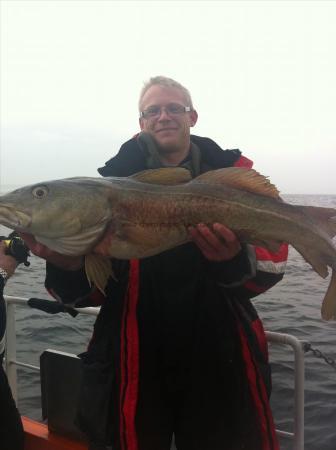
point(172, 109)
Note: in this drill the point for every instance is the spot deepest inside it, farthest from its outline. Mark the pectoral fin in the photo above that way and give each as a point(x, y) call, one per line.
point(98, 269)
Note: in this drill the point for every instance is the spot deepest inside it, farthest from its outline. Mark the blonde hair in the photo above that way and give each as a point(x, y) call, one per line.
point(166, 82)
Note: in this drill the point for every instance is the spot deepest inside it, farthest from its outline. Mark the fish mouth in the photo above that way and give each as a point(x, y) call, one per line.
point(12, 218)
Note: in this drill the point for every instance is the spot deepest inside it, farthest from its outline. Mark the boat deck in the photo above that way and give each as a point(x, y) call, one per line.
point(38, 437)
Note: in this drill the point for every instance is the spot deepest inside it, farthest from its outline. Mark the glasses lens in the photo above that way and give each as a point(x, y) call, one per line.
point(172, 109)
point(152, 111)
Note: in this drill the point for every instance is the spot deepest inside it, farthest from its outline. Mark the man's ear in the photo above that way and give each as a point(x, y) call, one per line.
point(193, 117)
point(141, 123)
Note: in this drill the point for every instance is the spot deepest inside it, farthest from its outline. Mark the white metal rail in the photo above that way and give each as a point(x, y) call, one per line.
point(299, 378)
point(11, 363)
point(297, 435)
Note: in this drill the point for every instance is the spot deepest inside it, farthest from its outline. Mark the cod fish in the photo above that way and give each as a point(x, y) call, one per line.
point(150, 212)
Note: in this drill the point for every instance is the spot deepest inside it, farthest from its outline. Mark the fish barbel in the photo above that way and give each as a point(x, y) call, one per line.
point(150, 212)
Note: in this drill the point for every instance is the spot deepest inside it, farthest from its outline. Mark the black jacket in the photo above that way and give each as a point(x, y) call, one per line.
point(176, 315)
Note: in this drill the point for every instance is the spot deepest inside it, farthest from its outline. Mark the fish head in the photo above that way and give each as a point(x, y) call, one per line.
point(59, 212)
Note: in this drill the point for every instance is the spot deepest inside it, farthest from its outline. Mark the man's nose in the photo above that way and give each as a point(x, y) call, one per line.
point(164, 114)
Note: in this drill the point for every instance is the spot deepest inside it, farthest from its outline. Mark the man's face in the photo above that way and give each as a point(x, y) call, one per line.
point(170, 130)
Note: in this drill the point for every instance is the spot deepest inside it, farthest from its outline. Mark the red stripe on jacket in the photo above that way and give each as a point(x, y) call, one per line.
point(130, 362)
point(265, 255)
point(254, 287)
point(259, 397)
point(244, 162)
point(259, 331)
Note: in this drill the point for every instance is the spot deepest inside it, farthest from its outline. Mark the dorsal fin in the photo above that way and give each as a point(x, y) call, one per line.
point(165, 176)
point(240, 178)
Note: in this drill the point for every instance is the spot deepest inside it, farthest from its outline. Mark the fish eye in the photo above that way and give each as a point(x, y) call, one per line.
point(40, 191)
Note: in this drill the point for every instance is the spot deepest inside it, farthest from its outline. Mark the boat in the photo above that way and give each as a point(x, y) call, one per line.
point(38, 437)
point(59, 432)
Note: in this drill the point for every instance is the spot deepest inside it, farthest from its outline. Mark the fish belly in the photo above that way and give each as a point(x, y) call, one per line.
point(141, 241)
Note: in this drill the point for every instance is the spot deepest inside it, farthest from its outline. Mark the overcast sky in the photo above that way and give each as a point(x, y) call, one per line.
point(262, 76)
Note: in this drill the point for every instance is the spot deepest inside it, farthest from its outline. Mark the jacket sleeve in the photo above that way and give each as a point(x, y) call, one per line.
point(253, 271)
point(71, 287)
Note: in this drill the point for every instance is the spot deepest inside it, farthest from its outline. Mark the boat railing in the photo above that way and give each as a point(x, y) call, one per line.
point(297, 435)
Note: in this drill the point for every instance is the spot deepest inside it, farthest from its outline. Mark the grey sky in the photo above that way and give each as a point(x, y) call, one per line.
point(261, 74)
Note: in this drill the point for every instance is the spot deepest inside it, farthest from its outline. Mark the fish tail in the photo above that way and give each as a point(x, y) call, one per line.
point(328, 309)
point(326, 217)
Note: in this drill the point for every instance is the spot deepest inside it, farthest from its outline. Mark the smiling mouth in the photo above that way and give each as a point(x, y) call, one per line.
point(165, 129)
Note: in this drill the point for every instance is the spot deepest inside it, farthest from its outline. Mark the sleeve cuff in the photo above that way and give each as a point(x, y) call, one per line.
point(236, 270)
point(67, 285)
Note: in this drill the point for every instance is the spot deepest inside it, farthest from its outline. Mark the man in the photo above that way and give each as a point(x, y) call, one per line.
point(11, 430)
point(178, 347)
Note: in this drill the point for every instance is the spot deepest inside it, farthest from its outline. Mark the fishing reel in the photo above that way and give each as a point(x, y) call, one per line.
point(16, 247)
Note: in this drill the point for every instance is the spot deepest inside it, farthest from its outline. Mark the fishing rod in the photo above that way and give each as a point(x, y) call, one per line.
point(16, 247)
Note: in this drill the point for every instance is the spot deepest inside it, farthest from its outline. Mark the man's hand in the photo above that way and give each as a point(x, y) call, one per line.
point(57, 259)
point(216, 244)
point(7, 262)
